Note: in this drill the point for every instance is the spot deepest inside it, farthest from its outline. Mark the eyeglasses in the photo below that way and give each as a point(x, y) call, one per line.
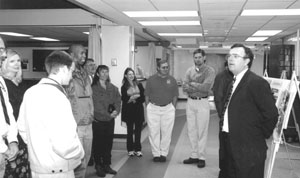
point(165, 67)
point(235, 56)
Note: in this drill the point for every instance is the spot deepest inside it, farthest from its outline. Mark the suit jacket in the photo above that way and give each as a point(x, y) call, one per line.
point(252, 116)
point(221, 84)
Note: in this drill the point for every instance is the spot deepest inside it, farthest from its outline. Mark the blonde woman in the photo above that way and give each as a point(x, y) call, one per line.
point(11, 71)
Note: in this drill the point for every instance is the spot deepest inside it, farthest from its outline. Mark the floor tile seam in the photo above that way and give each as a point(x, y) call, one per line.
point(176, 150)
point(123, 160)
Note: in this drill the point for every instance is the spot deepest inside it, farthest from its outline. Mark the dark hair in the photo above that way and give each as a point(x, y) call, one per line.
point(199, 51)
point(125, 81)
point(97, 73)
point(57, 59)
point(160, 62)
point(247, 50)
point(226, 63)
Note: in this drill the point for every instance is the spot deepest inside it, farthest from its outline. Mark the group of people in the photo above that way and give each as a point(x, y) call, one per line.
point(46, 130)
point(53, 128)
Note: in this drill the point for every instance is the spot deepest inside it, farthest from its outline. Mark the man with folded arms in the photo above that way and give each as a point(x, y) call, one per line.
point(197, 84)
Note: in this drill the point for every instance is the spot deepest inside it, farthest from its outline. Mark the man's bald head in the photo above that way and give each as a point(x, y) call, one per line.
point(78, 52)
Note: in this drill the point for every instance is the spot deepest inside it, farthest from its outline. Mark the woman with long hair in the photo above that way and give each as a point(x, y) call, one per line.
point(11, 71)
point(132, 111)
point(107, 104)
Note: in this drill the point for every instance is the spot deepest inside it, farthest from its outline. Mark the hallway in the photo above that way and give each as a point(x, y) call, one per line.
point(144, 167)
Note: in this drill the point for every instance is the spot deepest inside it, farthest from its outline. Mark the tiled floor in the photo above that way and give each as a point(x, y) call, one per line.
point(287, 162)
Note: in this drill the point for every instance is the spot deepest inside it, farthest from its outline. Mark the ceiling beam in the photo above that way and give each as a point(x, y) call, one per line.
point(47, 17)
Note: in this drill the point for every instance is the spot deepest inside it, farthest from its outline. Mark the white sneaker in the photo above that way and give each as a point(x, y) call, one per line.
point(131, 153)
point(138, 153)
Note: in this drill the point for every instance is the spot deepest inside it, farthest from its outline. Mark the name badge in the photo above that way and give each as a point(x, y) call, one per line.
point(168, 81)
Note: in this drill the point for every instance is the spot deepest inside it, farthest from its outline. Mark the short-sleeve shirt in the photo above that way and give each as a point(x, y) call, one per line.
point(161, 91)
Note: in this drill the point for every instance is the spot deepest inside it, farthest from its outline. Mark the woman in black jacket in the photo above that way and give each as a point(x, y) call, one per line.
point(132, 111)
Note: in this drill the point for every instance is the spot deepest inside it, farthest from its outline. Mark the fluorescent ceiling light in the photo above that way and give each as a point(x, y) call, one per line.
point(14, 34)
point(203, 46)
point(256, 38)
point(86, 33)
point(161, 13)
point(179, 34)
point(270, 12)
point(266, 32)
point(165, 23)
point(44, 39)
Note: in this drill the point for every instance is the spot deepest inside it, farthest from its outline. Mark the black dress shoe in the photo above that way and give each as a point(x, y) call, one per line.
point(156, 159)
point(109, 170)
point(201, 163)
point(163, 159)
point(191, 161)
point(100, 171)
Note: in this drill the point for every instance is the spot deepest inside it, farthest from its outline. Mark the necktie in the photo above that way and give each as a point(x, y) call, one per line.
point(229, 93)
point(3, 105)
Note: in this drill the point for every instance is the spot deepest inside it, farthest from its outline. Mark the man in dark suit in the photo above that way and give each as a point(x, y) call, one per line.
point(221, 83)
point(248, 118)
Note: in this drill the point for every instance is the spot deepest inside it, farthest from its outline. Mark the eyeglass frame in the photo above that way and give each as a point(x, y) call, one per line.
point(165, 67)
point(235, 56)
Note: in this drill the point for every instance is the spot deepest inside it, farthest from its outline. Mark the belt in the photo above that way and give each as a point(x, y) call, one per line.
point(161, 105)
point(197, 98)
point(83, 96)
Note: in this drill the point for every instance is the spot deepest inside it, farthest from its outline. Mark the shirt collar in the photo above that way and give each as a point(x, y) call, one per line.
point(239, 76)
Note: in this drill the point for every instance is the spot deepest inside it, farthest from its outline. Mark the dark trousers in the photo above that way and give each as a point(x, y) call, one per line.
point(103, 133)
point(134, 129)
point(229, 168)
point(226, 161)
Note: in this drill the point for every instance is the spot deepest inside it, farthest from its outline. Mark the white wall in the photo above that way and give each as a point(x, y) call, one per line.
point(142, 58)
point(117, 44)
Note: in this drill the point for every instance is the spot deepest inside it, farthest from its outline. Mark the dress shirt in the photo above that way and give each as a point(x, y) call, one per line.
point(238, 78)
point(203, 80)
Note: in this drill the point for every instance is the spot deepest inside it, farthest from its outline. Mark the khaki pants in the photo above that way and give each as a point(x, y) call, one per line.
point(85, 134)
point(2, 165)
point(160, 122)
point(69, 174)
point(197, 115)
